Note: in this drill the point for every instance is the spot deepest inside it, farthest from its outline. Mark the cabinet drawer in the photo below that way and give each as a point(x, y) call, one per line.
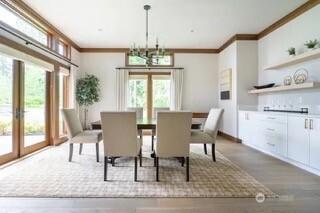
point(273, 118)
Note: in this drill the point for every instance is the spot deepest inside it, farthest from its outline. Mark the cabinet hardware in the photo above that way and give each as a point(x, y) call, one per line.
point(306, 124)
point(271, 144)
point(271, 118)
point(270, 129)
point(311, 124)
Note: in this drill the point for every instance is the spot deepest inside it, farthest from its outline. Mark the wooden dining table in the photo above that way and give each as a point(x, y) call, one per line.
point(146, 124)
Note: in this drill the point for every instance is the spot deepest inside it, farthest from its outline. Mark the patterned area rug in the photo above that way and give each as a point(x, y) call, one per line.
point(49, 174)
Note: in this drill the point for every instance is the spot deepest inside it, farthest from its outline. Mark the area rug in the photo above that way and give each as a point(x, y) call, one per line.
point(49, 174)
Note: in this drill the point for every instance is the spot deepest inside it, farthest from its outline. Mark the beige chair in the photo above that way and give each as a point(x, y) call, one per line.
point(154, 116)
point(139, 113)
point(209, 133)
point(173, 137)
point(77, 135)
point(120, 137)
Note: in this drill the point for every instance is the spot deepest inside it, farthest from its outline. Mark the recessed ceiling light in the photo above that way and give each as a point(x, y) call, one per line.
point(100, 30)
point(192, 31)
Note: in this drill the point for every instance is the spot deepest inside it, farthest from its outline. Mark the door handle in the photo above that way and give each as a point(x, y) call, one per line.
point(306, 124)
point(311, 124)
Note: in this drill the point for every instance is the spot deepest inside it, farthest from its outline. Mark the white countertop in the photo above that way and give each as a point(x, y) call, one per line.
point(283, 113)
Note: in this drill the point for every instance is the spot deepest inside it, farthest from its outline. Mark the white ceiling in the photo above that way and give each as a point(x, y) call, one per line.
point(123, 21)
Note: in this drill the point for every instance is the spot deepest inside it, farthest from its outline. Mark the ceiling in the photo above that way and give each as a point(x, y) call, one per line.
point(177, 23)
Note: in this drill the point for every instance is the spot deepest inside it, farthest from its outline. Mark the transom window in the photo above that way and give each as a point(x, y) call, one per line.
point(165, 61)
point(17, 22)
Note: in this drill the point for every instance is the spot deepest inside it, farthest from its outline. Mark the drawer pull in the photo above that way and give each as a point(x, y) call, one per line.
point(271, 144)
point(271, 118)
point(270, 129)
point(306, 124)
point(311, 124)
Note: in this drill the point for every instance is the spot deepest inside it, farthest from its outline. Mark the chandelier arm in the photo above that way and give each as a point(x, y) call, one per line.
point(147, 29)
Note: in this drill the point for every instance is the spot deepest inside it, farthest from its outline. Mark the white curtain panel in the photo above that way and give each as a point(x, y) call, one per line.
point(176, 86)
point(122, 88)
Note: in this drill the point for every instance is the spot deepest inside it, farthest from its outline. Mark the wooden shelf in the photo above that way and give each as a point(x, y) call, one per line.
point(307, 56)
point(307, 85)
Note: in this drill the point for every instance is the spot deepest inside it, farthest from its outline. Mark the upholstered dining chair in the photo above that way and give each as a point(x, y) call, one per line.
point(209, 133)
point(120, 138)
point(139, 113)
point(173, 137)
point(154, 116)
point(77, 135)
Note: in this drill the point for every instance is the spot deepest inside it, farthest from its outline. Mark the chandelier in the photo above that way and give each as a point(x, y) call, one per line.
point(151, 56)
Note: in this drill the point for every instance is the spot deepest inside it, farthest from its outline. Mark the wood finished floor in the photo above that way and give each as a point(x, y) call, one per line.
point(299, 192)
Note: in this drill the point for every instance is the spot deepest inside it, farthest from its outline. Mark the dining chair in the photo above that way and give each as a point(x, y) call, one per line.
point(154, 116)
point(173, 137)
point(209, 133)
point(120, 138)
point(77, 135)
point(139, 113)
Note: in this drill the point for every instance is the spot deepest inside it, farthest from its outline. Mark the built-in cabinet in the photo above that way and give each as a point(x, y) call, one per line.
point(293, 138)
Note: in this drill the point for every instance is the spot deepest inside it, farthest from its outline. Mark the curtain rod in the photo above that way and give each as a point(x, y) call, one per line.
point(29, 42)
point(149, 68)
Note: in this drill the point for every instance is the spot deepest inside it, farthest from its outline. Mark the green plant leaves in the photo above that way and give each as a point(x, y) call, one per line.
point(88, 90)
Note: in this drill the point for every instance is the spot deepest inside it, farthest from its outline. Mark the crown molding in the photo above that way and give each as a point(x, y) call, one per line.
point(172, 50)
point(238, 37)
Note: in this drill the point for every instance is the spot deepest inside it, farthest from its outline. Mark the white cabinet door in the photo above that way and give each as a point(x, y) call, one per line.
point(298, 139)
point(315, 143)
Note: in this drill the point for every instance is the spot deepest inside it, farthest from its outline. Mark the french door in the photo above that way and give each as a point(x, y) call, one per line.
point(23, 108)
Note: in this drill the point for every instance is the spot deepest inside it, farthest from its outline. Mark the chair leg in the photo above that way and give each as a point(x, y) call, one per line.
point(105, 167)
point(135, 168)
point(213, 152)
point(113, 161)
point(155, 161)
point(70, 151)
point(80, 148)
point(205, 148)
point(187, 169)
point(182, 162)
point(157, 169)
point(97, 151)
point(140, 157)
point(152, 142)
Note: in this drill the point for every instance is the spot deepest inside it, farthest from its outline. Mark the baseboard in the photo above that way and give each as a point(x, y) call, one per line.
point(229, 137)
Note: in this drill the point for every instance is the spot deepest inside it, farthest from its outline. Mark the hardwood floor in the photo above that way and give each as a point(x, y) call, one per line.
point(299, 192)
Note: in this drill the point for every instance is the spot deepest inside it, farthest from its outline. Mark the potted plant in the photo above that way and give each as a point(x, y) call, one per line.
point(292, 51)
point(87, 93)
point(312, 44)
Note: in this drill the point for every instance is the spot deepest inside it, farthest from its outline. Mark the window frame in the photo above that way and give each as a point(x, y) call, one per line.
point(154, 65)
point(149, 88)
point(16, 12)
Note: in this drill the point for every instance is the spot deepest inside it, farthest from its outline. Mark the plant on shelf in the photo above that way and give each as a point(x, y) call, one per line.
point(292, 51)
point(312, 44)
point(87, 93)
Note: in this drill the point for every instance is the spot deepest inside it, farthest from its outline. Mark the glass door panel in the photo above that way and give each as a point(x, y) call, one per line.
point(137, 94)
point(161, 93)
point(6, 106)
point(34, 99)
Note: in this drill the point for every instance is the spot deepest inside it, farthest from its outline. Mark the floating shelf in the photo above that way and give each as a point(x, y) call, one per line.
point(307, 85)
point(307, 56)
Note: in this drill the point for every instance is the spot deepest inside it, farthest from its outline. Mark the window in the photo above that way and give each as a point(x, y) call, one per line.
point(17, 22)
point(63, 49)
point(166, 61)
point(150, 91)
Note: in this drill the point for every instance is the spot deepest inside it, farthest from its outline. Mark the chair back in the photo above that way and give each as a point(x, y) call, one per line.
point(138, 110)
point(119, 131)
point(159, 109)
point(72, 122)
point(212, 123)
point(173, 134)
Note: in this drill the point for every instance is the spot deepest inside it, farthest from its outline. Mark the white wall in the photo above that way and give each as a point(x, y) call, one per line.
point(272, 49)
point(200, 79)
point(228, 59)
